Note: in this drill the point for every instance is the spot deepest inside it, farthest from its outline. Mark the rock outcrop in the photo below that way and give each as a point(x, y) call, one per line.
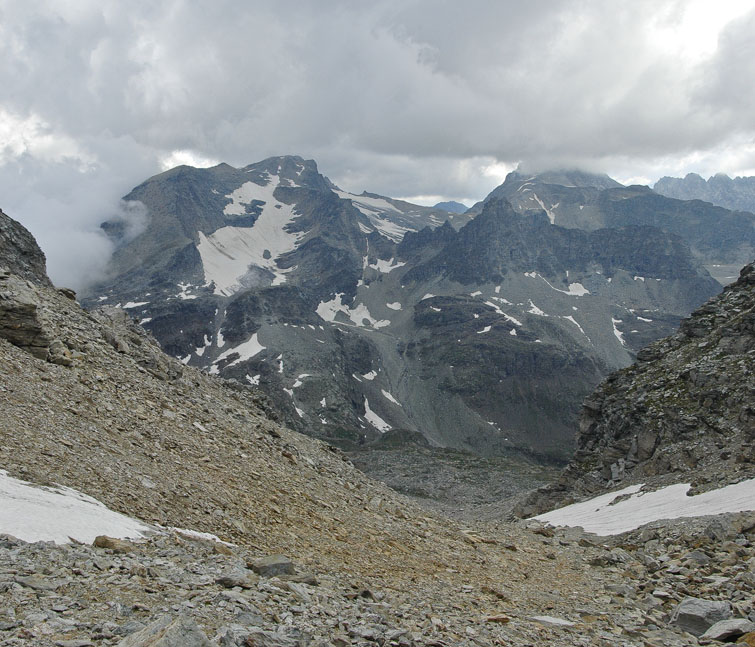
point(19, 252)
point(684, 410)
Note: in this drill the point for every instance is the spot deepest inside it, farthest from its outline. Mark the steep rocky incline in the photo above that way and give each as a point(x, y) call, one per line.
point(684, 411)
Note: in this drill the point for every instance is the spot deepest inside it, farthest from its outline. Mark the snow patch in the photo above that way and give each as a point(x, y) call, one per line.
point(393, 306)
point(374, 419)
point(184, 287)
point(60, 514)
point(574, 321)
point(246, 351)
point(328, 310)
point(134, 304)
point(228, 253)
point(535, 310)
point(389, 397)
point(254, 381)
point(385, 267)
point(617, 332)
point(671, 502)
point(370, 376)
point(484, 330)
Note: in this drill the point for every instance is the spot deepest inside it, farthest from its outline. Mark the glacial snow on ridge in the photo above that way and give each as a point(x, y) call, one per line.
point(228, 253)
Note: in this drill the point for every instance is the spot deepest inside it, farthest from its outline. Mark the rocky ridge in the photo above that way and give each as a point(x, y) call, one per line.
point(574, 199)
point(733, 193)
point(321, 555)
point(685, 409)
point(360, 314)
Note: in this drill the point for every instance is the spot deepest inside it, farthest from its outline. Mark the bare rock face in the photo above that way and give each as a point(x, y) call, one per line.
point(20, 321)
point(685, 410)
point(20, 253)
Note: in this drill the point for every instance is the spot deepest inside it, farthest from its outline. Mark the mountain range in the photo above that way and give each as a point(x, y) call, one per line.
point(733, 193)
point(358, 315)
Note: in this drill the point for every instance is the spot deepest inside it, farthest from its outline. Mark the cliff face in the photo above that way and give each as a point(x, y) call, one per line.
point(19, 252)
point(685, 411)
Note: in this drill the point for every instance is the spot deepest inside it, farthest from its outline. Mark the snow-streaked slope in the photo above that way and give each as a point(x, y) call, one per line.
point(600, 517)
point(228, 253)
point(59, 514)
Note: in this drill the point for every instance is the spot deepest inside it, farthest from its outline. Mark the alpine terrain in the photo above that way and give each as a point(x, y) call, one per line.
point(145, 503)
point(367, 320)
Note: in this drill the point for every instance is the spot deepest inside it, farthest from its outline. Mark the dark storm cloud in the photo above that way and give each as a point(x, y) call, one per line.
point(399, 97)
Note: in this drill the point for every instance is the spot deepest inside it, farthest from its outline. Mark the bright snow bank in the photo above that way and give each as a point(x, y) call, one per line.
point(600, 517)
point(32, 513)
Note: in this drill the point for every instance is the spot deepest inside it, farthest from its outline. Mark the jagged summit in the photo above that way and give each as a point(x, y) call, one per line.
point(719, 189)
point(587, 201)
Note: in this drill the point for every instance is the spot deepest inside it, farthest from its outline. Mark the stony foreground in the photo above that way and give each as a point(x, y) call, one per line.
point(660, 586)
point(90, 402)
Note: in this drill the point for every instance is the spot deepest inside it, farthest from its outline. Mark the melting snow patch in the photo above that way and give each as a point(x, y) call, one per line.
point(574, 321)
point(535, 310)
point(246, 351)
point(476, 293)
point(643, 319)
point(299, 411)
point(184, 287)
point(370, 376)
point(427, 296)
point(388, 396)
point(59, 514)
point(374, 419)
point(393, 306)
point(386, 266)
point(328, 310)
point(617, 332)
point(497, 289)
point(484, 330)
point(322, 402)
point(254, 381)
point(134, 304)
point(672, 502)
point(639, 278)
point(228, 252)
point(145, 320)
point(512, 332)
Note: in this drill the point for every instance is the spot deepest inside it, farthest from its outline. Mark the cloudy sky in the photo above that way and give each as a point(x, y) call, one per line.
point(422, 99)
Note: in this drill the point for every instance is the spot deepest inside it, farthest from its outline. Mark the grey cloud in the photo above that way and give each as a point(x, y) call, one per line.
point(402, 97)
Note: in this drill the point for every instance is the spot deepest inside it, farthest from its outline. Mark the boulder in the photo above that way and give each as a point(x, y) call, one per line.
point(696, 615)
